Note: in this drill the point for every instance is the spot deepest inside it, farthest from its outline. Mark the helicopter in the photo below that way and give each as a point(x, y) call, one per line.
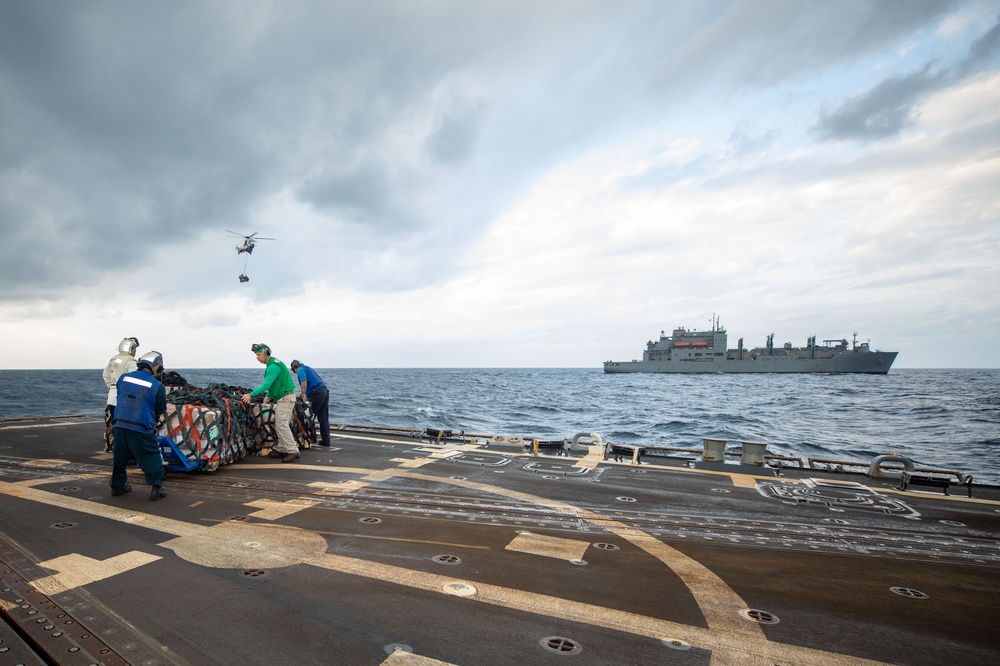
point(249, 242)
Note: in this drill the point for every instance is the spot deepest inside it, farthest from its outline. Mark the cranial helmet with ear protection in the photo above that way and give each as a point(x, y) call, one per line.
point(152, 360)
point(128, 346)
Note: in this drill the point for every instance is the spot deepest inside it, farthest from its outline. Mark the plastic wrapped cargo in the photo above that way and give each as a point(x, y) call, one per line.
point(211, 427)
point(199, 435)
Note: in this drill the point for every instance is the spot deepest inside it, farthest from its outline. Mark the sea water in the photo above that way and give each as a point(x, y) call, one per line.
point(948, 419)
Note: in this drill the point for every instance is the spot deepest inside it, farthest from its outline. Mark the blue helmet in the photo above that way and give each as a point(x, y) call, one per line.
point(152, 360)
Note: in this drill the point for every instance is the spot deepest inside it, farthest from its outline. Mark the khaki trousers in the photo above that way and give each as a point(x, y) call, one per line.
point(282, 415)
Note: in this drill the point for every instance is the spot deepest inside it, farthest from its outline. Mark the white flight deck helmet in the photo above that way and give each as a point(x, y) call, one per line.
point(152, 360)
point(128, 346)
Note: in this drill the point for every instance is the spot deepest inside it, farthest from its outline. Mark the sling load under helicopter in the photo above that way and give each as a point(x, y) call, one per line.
point(249, 243)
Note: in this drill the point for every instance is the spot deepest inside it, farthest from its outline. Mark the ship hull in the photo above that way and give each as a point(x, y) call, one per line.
point(871, 363)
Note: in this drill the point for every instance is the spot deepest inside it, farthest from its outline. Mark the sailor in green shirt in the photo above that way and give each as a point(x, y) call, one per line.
point(280, 389)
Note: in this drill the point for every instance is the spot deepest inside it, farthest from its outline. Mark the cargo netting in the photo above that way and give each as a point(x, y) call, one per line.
point(211, 426)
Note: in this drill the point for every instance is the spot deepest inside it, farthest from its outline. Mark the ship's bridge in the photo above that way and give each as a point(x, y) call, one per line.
point(684, 344)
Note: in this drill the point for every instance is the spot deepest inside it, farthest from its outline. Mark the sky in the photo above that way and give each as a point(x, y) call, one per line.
point(496, 184)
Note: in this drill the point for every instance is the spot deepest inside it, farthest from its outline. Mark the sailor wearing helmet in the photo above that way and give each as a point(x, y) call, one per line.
point(120, 363)
point(279, 388)
point(142, 402)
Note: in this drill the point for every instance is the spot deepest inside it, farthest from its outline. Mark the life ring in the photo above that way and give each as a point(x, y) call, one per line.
point(875, 469)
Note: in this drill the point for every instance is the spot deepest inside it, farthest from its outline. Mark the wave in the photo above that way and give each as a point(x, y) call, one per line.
point(944, 419)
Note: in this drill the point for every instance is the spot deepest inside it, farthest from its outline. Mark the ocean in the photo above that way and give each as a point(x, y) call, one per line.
point(948, 419)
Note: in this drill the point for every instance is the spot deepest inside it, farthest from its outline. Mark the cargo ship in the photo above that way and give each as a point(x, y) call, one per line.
point(707, 351)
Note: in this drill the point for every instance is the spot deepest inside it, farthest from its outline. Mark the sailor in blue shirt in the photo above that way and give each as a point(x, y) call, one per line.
point(314, 389)
point(142, 401)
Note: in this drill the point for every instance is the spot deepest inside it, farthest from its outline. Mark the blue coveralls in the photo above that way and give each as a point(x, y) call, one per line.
point(141, 401)
point(319, 400)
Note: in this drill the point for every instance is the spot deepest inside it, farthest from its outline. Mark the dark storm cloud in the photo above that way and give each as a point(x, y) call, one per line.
point(364, 193)
point(111, 138)
point(454, 139)
point(882, 111)
point(984, 49)
point(887, 108)
point(149, 123)
point(154, 124)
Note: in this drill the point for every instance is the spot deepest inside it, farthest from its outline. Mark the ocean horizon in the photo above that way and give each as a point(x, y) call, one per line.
point(941, 418)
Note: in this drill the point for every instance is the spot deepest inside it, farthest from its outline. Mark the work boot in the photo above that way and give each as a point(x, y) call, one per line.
point(156, 493)
point(121, 490)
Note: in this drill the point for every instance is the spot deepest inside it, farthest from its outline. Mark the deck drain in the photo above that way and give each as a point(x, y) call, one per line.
point(720, 490)
point(371, 520)
point(579, 563)
point(909, 592)
point(238, 518)
point(560, 645)
point(254, 573)
point(447, 559)
point(69, 489)
point(625, 499)
point(63, 526)
point(675, 643)
point(606, 546)
point(953, 523)
point(760, 617)
point(457, 478)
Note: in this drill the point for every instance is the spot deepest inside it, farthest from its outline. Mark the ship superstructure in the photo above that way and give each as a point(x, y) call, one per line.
point(687, 351)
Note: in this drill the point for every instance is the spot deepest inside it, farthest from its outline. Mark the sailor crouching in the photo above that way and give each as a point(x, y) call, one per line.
point(142, 401)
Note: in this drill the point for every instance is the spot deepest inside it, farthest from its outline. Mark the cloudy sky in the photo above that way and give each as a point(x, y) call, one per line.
point(496, 184)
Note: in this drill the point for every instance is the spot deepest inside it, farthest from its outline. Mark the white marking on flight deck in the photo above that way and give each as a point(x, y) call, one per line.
point(271, 510)
point(74, 570)
point(548, 546)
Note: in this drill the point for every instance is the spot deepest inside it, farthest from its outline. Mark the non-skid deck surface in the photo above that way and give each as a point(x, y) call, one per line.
point(387, 550)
